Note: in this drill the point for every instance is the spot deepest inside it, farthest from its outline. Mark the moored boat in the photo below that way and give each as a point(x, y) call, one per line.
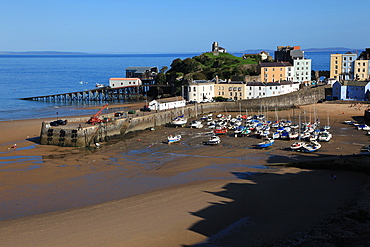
point(311, 147)
point(179, 121)
point(214, 140)
point(267, 143)
point(196, 124)
point(324, 136)
point(172, 139)
point(296, 146)
point(219, 130)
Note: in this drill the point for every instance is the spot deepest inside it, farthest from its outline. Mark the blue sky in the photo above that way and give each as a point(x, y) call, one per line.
point(142, 26)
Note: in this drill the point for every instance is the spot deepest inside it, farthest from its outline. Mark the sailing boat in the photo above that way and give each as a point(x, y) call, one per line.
point(297, 146)
point(327, 127)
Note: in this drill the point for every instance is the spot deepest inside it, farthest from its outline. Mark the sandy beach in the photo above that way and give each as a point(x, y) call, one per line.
point(139, 191)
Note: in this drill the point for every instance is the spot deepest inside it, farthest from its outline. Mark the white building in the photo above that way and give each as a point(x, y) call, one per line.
point(302, 70)
point(201, 91)
point(255, 90)
point(261, 90)
point(272, 89)
point(124, 82)
point(288, 87)
point(167, 103)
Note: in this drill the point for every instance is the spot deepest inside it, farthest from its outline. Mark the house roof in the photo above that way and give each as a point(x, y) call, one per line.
point(171, 99)
point(124, 79)
point(232, 82)
point(355, 83)
point(255, 83)
point(201, 81)
point(275, 64)
point(138, 69)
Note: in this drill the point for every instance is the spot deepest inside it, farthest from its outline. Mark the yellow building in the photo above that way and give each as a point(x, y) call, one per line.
point(234, 90)
point(335, 65)
point(275, 72)
point(341, 66)
point(362, 70)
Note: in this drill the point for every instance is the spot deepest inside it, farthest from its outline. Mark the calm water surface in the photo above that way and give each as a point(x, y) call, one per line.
point(27, 76)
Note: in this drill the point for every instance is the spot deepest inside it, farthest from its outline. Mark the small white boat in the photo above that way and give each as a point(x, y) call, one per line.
point(275, 135)
point(311, 147)
point(214, 140)
point(266, 143)
point(324, 136)
point(179, 121)
point(172, 139)
point(196, 124)
point(297, 146)
point(99, 85)
point(293, 135)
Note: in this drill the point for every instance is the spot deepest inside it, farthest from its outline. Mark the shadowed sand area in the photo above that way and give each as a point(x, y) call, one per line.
point(142, 192)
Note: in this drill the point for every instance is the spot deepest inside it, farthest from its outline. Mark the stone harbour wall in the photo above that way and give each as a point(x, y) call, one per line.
point(75, 137)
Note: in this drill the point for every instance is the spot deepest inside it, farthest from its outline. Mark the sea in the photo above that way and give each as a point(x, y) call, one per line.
point(23, 76)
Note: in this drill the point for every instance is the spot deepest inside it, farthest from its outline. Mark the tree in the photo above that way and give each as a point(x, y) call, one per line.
point(160, 78)
point(163, 69)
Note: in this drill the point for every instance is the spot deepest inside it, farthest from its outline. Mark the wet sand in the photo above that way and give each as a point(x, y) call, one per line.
point(142, 192)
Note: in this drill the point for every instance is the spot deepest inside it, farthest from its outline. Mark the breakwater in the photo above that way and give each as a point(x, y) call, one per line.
point(74, 135)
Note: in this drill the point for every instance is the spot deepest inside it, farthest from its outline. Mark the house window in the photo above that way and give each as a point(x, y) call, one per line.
point(234, 88)
point(231, 93)
point(230, 88)
point(239, 89)
point(195, 89)
point(189, 89)
point(266, 69)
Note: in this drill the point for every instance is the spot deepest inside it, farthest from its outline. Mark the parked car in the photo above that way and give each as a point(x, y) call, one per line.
point(118, 114)
point(58, 122)
point(145, 109)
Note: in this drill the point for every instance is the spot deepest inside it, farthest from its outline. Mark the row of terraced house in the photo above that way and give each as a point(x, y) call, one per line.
point(350, 76)
point(289, 71)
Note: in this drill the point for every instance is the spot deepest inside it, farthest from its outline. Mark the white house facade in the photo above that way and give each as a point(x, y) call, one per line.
point(288, 87)
point(167, 103)
point(351, 90)
point(302, 70)
point(201, 91)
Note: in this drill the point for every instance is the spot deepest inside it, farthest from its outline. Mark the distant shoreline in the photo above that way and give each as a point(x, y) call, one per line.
point(58, 53)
